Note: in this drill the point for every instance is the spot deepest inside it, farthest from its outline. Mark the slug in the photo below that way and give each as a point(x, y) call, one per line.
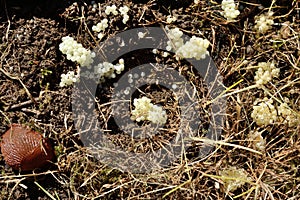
point(25, 149)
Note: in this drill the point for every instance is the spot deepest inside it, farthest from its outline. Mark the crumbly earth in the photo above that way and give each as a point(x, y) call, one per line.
point(31, 65)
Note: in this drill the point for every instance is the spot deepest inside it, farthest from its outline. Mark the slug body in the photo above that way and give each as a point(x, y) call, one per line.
point(24, 149)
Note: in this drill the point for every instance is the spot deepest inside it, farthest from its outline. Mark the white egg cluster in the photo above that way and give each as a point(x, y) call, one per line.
point(76, 52)
point(264, 112)
point(124, 10)
point(171, 19)
point(175, 40)
point(287, 116)
point(234, 178)
point(145, 110)
point(141, 35)
point(258, 142)
point(68, 79)
point(265, 73)
point(111, 9)
point(101, 26)
point(230, 10)
point(264, 22)
point(194, 48)
point(106, 70)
